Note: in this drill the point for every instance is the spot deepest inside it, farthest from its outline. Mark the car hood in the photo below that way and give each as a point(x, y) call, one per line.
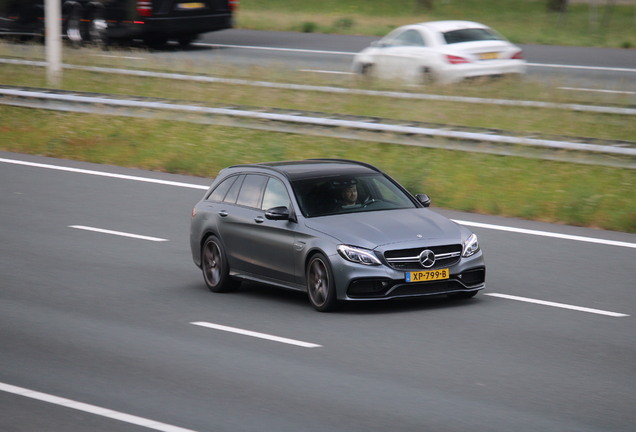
point(379, 229)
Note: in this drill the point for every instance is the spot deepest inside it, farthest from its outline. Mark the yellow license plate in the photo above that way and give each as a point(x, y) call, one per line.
point(191, 5)
point(489, 56)
point(427, 275)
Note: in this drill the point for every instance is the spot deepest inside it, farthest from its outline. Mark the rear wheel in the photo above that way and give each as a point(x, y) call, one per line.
point(98, 27)
point(320, 284)
point(73, 28)
point(186, 40)
point(428, 76)
point(156, 41)
point(216, 271)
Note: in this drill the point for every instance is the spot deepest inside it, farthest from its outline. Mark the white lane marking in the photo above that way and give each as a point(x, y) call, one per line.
point(103, 174)
point(299, 50)
point(326, 72)
point(92, 409)
point(558, 305)
point(600, 68)
point(118, 233)
point(119, 57)
point(256, 334)
point(597, 90)
point(548, 234)
point(193, 186)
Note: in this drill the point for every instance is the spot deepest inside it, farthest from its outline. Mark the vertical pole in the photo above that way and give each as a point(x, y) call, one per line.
point(53, 40)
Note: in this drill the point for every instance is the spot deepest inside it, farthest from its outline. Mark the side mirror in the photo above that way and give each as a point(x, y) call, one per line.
point(278, 213)
point(424, 199)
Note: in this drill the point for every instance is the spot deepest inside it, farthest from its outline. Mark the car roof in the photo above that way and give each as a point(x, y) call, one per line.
point(313, 168)
point(450, 25)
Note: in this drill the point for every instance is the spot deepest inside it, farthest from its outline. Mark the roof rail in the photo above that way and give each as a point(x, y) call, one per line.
point(351, 161)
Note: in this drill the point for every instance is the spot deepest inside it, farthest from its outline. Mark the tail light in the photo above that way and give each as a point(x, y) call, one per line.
point(456, 59)
point(144, 8)
point(233, 4)
point(518, 56)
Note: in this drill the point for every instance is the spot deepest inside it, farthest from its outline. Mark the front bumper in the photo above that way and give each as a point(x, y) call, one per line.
point(356, 282)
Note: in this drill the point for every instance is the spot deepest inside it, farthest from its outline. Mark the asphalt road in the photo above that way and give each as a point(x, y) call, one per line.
point(586, 67)
point(105, 320)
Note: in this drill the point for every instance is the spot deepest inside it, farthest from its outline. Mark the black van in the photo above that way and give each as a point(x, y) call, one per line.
point(104, 21)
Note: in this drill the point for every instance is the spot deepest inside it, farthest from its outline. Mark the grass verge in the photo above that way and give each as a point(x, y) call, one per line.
point(508, 186)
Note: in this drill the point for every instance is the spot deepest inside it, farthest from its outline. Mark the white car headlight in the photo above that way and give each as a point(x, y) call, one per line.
point(471, 246)
point(358, 255)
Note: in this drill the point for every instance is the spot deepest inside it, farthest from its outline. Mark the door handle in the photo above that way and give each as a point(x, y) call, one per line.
point(223, 213)
point(259, 219)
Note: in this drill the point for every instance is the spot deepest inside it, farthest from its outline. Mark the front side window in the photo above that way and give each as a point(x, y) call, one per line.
point(275, 195)
point(410, 38)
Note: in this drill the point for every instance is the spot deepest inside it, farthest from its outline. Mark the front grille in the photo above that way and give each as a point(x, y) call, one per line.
point(468, 281)
point(409, 259)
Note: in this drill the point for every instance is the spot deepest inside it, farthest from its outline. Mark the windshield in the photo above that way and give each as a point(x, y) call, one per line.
point(470, 35)
point(338, 194)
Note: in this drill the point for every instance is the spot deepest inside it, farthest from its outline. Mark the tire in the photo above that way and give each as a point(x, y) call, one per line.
point(428, 76)
point(463, 295)
point(186, 40)
point(73, 27)
point(98, 27)
point(321, 287)
point(156, 42)
point(215, 268)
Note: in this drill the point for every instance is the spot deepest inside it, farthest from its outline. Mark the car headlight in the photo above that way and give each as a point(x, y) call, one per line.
point(358, 255)
point(471, 246)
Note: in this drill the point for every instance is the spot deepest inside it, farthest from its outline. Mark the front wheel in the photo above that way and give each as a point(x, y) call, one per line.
point(321, 286)
point(216, 271)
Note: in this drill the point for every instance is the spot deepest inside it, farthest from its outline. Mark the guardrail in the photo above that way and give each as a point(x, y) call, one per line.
point(336, 90)
point(589, 151)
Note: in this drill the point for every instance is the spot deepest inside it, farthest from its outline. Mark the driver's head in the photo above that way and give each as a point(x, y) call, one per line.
point(350, 194)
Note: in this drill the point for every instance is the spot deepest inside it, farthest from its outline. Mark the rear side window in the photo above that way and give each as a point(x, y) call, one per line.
point(218, 194)
point(232, 194)
point(470, 35)
point(251, 190)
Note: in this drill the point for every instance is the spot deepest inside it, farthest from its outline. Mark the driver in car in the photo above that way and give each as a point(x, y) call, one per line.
point(350, 196)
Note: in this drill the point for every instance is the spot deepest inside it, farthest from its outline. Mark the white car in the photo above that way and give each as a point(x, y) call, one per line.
point(441, 52)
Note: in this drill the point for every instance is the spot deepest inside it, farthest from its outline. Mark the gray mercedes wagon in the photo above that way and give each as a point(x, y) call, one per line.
point(339, 230)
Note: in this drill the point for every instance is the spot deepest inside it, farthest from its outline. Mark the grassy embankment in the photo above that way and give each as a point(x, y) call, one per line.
point(533, 189)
